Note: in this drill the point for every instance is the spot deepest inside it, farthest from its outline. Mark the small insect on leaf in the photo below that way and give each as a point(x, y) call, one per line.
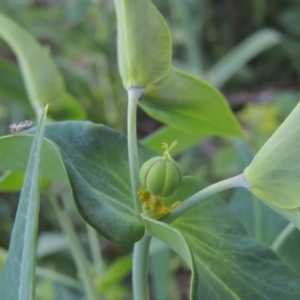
point(15, 128)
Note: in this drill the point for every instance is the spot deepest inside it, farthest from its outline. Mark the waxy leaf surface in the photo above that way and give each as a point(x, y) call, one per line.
point(226, 262)
point(170, 96)
point(96, 160)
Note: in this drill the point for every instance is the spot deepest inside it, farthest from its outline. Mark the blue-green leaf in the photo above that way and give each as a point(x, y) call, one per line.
point(261, 221)
point(96, 160)
point(226, 263)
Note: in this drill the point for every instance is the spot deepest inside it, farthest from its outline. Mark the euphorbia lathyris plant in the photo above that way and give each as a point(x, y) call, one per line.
point(102, 168)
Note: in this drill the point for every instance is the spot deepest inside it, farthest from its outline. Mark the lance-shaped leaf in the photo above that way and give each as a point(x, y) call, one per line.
point(225, 262)
point(187, 103)
point(43, 81)
point(17, 280)
point(144, 43)
point(275, 170)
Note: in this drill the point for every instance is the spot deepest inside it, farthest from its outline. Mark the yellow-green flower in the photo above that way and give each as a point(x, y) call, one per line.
point(274, 173)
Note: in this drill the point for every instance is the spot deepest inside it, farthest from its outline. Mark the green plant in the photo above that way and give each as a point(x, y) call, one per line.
point(101, 166)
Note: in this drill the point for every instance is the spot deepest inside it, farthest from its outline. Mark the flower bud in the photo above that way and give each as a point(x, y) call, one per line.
point(161, 175)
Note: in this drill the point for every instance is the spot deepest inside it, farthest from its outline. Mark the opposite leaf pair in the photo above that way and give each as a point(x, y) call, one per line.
point(170, 96)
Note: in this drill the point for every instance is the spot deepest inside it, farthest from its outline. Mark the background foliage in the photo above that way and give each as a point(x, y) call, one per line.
point(210, 39)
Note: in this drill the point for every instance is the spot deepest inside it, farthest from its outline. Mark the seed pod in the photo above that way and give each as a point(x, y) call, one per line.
point(161, 175)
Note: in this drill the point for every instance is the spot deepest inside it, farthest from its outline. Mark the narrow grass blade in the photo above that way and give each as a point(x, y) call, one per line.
point(17, 281)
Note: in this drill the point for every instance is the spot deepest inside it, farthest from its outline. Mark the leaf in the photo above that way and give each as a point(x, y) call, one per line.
point(43, 82)
point(13, 181)
point(262, 222)
point(168, 135)
point(17, 280)
point(16, 150)
point(226, 263)
point(189, 104)
point(274, 171)
point(172, 97)
point(96, 160)
point(252, 46)
point(144, 43)
point(98, 171)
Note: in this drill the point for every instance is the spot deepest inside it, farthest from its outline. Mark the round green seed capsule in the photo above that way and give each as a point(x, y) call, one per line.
point(161, 176)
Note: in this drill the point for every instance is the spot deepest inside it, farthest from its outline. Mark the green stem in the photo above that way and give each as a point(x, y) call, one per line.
point(283, 236)
point(134, 94)
point(140, 269)
point(141, 248)
point(77, 252)
point(237, 181)
point(95, 250)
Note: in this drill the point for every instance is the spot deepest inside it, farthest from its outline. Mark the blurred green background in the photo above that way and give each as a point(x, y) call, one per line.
point(249, 49)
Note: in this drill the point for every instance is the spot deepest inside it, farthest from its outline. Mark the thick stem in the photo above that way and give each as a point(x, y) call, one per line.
point(134, 94)
point(283, 236)
point(141, 248)
point(140, 269)
point(237, 181)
